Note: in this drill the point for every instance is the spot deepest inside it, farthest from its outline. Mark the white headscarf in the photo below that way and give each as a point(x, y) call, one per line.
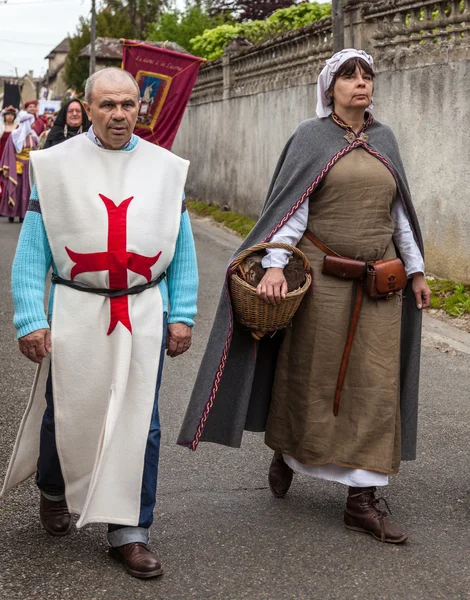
point(326, 77)
point(24, 129)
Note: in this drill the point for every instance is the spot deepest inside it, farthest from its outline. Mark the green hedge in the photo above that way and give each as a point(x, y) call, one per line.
point(212, 42)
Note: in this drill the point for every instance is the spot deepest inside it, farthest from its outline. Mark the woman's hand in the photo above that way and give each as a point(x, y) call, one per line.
point(421, 291)
point(273, 287)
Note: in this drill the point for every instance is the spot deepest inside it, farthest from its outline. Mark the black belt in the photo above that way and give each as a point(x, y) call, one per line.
point(81, 287)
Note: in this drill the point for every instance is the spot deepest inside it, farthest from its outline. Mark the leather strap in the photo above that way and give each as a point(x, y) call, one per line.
point(349, 342)
point(359, 295)
point(316, 242)
point(109, 293)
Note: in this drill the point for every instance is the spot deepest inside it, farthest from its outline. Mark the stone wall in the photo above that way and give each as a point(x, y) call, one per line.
point(245, 106)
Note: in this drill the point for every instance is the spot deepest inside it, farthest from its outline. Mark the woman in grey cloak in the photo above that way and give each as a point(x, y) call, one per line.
point(339, 180)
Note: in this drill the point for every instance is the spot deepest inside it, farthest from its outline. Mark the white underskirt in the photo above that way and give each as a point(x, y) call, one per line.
point(345, 475)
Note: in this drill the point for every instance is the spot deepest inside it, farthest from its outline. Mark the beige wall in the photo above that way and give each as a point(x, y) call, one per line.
point(28, 90)
point(58, 86)
point(428, 108)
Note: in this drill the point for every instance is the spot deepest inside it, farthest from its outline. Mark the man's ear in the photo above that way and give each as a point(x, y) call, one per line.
point(86, 106)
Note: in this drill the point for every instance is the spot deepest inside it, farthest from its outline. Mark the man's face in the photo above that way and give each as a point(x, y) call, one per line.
point(31, 109)
point(113, 111)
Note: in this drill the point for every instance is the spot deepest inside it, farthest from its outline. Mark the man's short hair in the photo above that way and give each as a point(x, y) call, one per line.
point(90, 82)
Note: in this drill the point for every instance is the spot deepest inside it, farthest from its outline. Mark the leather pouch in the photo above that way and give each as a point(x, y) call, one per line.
point(344, 268)
point(385, 277)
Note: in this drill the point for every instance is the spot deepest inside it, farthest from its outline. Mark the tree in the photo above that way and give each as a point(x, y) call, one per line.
point(249, 10)
point(140, 12)
point(108, 24)
point(182, 26)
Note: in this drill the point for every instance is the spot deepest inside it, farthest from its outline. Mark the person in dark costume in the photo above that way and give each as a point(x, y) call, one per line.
point(70, 121)
point(339, 189)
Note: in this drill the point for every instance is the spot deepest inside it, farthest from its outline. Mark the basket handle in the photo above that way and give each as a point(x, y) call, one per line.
point(245, 253)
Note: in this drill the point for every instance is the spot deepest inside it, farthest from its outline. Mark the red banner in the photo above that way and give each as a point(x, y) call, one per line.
point(166, 79)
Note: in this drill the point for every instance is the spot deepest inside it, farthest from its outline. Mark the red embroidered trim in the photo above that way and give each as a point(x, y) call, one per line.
point(220, 371)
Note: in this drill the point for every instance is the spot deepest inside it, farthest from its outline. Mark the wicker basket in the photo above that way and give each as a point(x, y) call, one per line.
point(251, 310)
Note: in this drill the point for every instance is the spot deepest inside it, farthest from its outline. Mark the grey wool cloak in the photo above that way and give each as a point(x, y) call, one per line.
point(233, 388)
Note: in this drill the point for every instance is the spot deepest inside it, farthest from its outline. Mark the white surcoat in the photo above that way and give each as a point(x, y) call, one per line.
point(112, 220)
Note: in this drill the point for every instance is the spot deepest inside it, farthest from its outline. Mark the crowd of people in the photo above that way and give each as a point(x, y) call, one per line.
point(22, 131)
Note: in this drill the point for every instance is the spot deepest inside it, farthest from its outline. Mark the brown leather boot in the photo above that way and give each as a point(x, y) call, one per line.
point(55, 517)
point(280, 476)
point(363, 513)
point(138, 560)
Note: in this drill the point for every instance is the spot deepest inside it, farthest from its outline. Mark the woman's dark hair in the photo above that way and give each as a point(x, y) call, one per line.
point(348, 68)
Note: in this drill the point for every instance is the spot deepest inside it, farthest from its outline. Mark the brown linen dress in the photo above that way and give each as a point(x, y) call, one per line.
point(351, 213)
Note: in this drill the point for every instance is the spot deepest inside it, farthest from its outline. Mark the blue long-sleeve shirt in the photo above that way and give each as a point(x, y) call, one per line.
point(33, 260)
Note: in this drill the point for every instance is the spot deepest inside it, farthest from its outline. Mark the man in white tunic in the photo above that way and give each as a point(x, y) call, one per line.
point(107, 214)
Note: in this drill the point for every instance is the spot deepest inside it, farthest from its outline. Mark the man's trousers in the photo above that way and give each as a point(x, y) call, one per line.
point(51, 483)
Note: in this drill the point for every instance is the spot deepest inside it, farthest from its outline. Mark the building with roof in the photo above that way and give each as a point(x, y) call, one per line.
point(54, 80)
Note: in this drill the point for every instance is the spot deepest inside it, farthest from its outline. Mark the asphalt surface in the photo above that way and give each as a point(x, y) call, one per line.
point(219, 531)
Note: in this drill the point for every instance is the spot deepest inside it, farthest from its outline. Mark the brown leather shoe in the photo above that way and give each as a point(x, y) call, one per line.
point(138, 560)
point(280, 476)
point(363, 513)
point(55, 517)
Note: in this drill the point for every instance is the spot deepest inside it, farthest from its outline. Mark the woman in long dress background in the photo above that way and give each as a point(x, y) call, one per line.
point(7, 126)
point(15, 168)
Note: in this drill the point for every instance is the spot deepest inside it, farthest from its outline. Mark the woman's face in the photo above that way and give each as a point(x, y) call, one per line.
point(74, 115)
point(353, 91)
point(9, 118)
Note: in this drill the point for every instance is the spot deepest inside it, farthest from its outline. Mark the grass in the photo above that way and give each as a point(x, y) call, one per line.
point(238, 223)
point(452, 297)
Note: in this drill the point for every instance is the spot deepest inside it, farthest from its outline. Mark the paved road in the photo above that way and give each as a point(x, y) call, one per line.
point(221, 534)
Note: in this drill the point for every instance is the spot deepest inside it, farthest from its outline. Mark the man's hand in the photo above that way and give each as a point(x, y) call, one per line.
point(36, 345)
point(178, 339)
point(273, 287)
point(421, 291)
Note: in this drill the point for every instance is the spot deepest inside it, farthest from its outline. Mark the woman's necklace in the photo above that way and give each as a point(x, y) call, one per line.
point(351, 135)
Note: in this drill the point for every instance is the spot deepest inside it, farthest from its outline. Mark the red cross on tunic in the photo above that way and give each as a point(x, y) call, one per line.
point(117, 260)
